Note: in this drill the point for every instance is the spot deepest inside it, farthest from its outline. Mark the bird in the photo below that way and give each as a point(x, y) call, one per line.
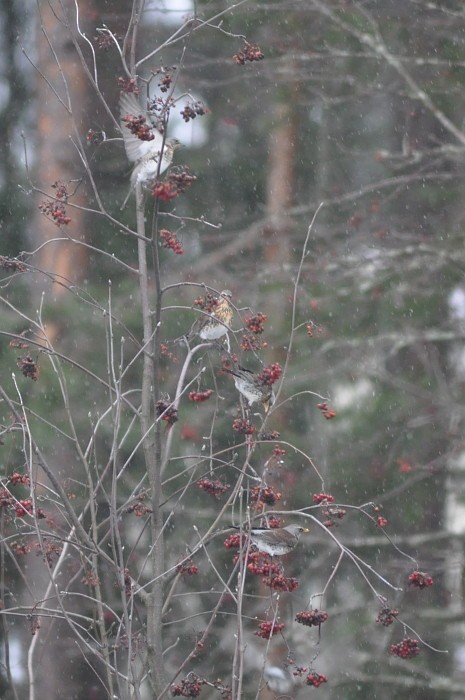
point(145, 154)
point(252, 387)
point(217, 323)
point(276, 541)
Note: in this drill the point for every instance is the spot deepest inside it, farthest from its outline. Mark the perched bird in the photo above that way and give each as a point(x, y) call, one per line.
point(276, 541)
point(145, 154)
point(217, 323)
point(252, 387)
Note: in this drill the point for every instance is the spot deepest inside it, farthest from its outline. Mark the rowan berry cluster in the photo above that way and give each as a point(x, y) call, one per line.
point(270, 375)
point(322, 498)
point(139, 508)
point(208, 303)
point(266, 630)
point(16, 478)
point(234, 541)
point(261, 564)
point(406, 649)
point(386, 616)
point(11, 264)
point(281, 583)
point(189, 687)
point(261, 496)
point(170, 241)
point(419, 579)
point(56, 211)
point(128, 85)
point(255, 323)
point(316, 679)
point(193, 110)
point(249, 52)
point(29, 368)
point(168, 413)
point(311, 618)
point(214, 487)
point(271, 435)
point(139, 127)
point(243, 426)
point(24, 507)
point(200, 396)
point(327, 412)
point(188, 568)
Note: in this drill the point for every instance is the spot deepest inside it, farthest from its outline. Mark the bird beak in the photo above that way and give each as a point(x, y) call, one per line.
point(306, 529)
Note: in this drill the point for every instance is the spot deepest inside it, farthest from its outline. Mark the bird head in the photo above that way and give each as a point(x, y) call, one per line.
point(174, 144)
point(296, 530)
point(226, 293)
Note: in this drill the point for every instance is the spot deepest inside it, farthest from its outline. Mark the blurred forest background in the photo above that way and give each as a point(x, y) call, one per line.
point(359, 105)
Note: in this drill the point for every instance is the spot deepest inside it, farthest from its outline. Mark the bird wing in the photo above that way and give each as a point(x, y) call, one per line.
point(136, 148)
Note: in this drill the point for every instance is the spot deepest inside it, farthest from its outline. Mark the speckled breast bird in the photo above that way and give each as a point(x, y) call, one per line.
point(276, 541)
point(144, 154)
point(252, 387)
point(217, 324)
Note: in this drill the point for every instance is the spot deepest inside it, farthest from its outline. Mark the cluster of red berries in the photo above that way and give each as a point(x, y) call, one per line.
point(56, 211)
point(164, 350)
point(382, 521)
point(175, 184)
point(17, 343)
point(386, 616)
point(255, 323)
point(406, 649)
point(249, 52)
point(316, 679)
point(200, 396)
point(243, 426)
point(21, 548)
point(250, 342)
point(29, 368)
point(234, 541)
point(90, 578)
point(214, 487)
point(169, 414)
point(24, 507)
point(139, 127)
point(16, 478)
point(170, 241)
point(270, 375)
point(128, 586)
point(420, 579)
point(333, 514)
point(322, 497)
point(61, 190)
point(278, 451)
point(262, 496)
point(193, 110)
point(49, 550)
point(128, 85)
point(139, 508)
point(271, 435)
point(188, 568)
point(189, 687)
point(313, 328)
point(104, 41)
point(273, 521)
point(311, 618)
point(208, 303)
point(266, 630)
point(11, 264)
point(166, 77)
point(95, 138)
point(404, 466)
point(261, 564)
point(281, 583)
point(327, 412)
